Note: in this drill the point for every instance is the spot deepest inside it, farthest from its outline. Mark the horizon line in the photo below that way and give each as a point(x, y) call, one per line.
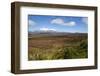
point(58, 31)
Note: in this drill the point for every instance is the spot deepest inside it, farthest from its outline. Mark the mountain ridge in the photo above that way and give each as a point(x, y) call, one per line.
point(54, 33)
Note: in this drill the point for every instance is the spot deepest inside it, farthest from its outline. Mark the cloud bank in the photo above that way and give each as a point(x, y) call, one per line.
point(85, 20)
point(31, 23)
point(47, 29)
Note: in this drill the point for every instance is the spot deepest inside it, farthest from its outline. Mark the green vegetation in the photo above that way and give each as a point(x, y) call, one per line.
point(50, 48)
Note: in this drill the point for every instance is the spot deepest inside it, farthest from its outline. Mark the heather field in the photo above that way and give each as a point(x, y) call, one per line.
point(57, 47)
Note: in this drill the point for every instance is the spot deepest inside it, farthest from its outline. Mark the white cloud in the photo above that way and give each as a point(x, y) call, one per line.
point(71, 23)
point(47, 29)
point(60, 21)
point(31, 23)
point(85, 20)
point(57, 21)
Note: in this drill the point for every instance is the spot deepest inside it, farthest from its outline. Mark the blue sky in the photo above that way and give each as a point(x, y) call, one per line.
point(57, 23)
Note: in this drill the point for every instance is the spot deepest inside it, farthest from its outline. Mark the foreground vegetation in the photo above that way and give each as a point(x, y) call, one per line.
point(62, 47)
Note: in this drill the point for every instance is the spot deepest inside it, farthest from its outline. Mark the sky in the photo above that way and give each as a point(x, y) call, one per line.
point(57, 23)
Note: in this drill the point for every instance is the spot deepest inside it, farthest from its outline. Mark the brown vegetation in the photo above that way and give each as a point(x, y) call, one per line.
point(57, 47)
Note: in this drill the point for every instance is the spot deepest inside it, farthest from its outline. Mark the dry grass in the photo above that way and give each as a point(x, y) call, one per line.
point(46, 48)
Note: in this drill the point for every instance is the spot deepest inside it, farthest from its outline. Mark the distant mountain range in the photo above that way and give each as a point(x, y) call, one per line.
point(54, 33)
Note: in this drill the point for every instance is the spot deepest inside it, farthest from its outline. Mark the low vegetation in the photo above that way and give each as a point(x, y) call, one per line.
point(54, 47)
